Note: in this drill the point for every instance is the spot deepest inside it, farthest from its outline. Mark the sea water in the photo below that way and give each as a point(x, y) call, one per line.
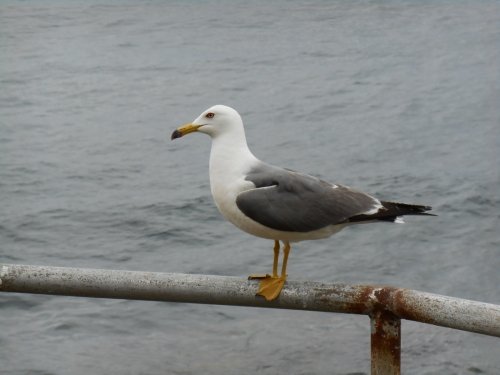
point(398, 99)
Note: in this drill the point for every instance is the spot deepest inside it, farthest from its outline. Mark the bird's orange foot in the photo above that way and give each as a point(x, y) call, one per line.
point(270, 287)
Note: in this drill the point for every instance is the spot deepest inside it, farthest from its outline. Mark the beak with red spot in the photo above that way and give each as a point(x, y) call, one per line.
point(184, 129)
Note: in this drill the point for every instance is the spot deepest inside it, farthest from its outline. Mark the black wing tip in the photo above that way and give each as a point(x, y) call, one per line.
point(392, 210)
point(408, 209)
point(425, 209)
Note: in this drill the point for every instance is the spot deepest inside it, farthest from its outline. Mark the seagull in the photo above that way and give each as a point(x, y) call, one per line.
point(277, 203)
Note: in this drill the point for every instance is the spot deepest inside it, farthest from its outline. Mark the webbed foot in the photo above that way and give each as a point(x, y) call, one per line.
point(270, 287)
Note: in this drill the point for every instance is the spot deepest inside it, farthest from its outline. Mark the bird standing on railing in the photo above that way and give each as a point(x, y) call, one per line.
point(276, 203)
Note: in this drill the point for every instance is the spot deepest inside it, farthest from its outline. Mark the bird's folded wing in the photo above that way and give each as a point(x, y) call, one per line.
point(289, 201)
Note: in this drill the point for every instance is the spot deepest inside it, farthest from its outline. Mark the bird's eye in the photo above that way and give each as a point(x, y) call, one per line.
point(210, 115)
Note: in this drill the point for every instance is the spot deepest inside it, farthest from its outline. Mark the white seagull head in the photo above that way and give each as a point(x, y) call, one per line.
point(215, 121)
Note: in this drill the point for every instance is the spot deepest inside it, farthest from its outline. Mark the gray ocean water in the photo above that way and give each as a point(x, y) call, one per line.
point(399, 99)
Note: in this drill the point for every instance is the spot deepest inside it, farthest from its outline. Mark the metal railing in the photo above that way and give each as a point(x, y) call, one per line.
point(385, 305)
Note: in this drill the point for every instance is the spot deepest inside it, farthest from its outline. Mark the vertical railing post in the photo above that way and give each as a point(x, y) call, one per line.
point(385, 343)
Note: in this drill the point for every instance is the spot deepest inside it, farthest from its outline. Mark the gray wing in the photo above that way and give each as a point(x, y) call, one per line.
point(295, 202)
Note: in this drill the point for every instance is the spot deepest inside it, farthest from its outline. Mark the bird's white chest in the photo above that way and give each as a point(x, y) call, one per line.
point(227, 180)
point(229, 165)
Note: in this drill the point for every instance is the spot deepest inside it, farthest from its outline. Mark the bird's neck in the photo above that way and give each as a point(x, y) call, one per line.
point(230, 156)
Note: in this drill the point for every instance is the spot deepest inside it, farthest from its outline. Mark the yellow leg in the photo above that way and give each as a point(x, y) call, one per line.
point(270, 286)
point(276, 257)
point(260, 276)
point(286, 251)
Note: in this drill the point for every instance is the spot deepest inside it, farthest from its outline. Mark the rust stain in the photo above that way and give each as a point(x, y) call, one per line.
point(386, 343)
point(352, 299)
point(407, 310)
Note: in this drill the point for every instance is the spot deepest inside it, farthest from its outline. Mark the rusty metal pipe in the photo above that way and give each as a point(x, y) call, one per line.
point(354, 299)
point(385, 343)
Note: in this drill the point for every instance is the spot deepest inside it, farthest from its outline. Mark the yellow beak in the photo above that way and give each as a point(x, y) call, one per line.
point(183, 130)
